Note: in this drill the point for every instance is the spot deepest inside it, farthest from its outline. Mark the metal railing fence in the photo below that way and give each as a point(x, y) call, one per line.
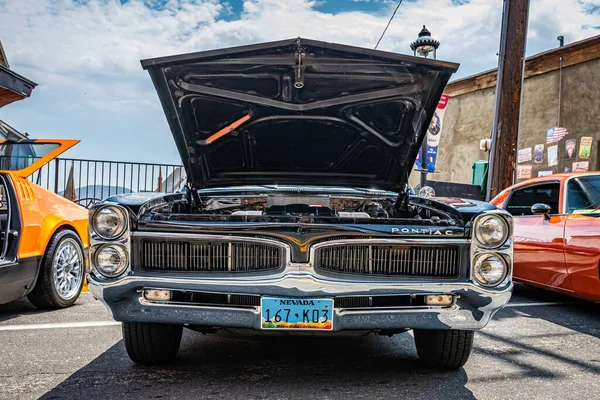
point(78, 179)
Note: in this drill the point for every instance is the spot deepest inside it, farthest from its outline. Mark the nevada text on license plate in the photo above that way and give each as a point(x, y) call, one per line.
point(296, 313)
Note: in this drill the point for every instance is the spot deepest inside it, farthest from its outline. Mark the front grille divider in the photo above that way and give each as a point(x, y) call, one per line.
point(229, 256)
point(370, 259)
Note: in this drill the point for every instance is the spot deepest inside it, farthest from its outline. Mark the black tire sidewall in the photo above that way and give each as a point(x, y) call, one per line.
point(444, 349)
point(151, 343)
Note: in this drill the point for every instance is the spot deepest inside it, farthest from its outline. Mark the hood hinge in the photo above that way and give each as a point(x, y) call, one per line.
point(193, 198)
point(402, 201)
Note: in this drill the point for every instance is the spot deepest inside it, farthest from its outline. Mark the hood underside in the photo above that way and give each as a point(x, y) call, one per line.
point(298, 112)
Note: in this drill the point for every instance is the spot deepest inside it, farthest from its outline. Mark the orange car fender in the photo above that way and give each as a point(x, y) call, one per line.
point(42, 214)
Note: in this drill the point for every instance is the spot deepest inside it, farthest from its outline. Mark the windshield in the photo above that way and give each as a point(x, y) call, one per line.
point(17, 156)
point(583, 194)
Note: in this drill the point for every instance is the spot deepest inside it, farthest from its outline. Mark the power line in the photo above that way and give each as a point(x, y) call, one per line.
point(388, 24)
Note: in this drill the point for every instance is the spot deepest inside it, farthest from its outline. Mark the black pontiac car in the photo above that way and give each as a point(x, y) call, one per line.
point(297, 216)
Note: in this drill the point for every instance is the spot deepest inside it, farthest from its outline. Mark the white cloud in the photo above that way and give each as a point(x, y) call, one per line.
point(85, 54)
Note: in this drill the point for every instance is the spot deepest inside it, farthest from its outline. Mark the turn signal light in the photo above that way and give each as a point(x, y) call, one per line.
point(439, 300)
point(157, 295)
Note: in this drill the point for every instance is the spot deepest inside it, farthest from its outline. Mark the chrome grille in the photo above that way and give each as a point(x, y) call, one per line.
point(405, 260)
point(351, 302)
point(173, 255)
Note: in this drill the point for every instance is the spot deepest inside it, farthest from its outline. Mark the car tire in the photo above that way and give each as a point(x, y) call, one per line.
point(48, 292)
point(150, 343)
point(447, 349)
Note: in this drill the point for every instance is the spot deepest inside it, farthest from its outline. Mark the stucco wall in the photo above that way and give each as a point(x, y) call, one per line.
point(469, 118)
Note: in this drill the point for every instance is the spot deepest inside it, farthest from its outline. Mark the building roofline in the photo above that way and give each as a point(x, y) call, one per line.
point(18, 76)
point(6, 129)
point(572, 54)
point(13, 87)
point(3, 58)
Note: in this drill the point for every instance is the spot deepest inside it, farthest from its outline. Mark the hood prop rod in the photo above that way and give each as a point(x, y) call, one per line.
point(299, 68)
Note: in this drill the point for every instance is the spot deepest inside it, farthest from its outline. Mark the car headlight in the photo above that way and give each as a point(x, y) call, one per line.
point(489, 269)
point(426, 191)
point(109, 222)
point(111, 260)
point(491, 231)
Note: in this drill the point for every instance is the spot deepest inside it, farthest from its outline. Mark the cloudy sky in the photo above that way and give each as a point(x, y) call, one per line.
point(84, 54)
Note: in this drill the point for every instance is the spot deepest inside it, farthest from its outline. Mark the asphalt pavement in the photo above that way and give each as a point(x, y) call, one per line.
point(542, 346)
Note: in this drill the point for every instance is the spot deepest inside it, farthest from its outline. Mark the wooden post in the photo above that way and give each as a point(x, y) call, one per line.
point(159, 186)
point(507, 113)
point(69, 192)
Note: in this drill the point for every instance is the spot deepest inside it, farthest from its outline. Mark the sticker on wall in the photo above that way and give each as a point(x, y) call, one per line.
point(524, 171)
point(545, 173)
point(585, 147)
point(538, 153)
point(581, 166)
point(570, 152)
point(554, 135)
point(552, 155)
point(524, 155)
point(567, 169)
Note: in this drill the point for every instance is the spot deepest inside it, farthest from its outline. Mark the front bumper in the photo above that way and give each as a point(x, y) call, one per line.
point(472, 310)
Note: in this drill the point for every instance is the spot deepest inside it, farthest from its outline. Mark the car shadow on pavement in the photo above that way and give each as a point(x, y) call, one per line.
point(228, 366)
point(545, 335)
point(17, 308)
point(574, 314)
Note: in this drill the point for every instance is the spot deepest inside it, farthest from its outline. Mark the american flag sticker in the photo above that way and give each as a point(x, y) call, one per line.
point(553, 135)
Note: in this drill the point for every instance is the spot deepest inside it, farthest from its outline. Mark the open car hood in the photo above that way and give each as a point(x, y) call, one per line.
point(298, 112)
point(24, 157)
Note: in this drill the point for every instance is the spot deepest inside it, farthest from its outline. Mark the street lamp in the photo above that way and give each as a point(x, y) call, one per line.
point(423, 46)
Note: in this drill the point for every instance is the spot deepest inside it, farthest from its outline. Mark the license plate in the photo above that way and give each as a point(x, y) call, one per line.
point(296, 313)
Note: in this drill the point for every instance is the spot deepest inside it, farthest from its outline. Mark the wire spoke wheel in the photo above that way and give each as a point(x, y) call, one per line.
point(67, 269)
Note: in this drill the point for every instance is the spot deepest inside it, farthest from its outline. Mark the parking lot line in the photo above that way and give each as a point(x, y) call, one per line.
point(548, 303)
point(62, 325)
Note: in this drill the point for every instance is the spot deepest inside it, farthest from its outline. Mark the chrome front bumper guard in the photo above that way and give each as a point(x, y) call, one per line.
point(472, 310)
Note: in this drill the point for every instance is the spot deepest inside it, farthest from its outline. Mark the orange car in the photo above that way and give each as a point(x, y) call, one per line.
point(43, 236)
point(557, 232)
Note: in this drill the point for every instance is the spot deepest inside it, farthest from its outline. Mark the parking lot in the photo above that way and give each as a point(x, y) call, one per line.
point(542, 346)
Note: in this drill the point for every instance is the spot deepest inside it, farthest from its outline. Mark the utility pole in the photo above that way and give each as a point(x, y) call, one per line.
point(509, 83)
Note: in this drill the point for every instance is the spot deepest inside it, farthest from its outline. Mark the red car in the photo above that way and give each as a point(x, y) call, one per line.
point(557, 232)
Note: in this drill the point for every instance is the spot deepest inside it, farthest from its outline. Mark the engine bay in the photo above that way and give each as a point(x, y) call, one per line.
point(302, 205)
point(299, 206)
